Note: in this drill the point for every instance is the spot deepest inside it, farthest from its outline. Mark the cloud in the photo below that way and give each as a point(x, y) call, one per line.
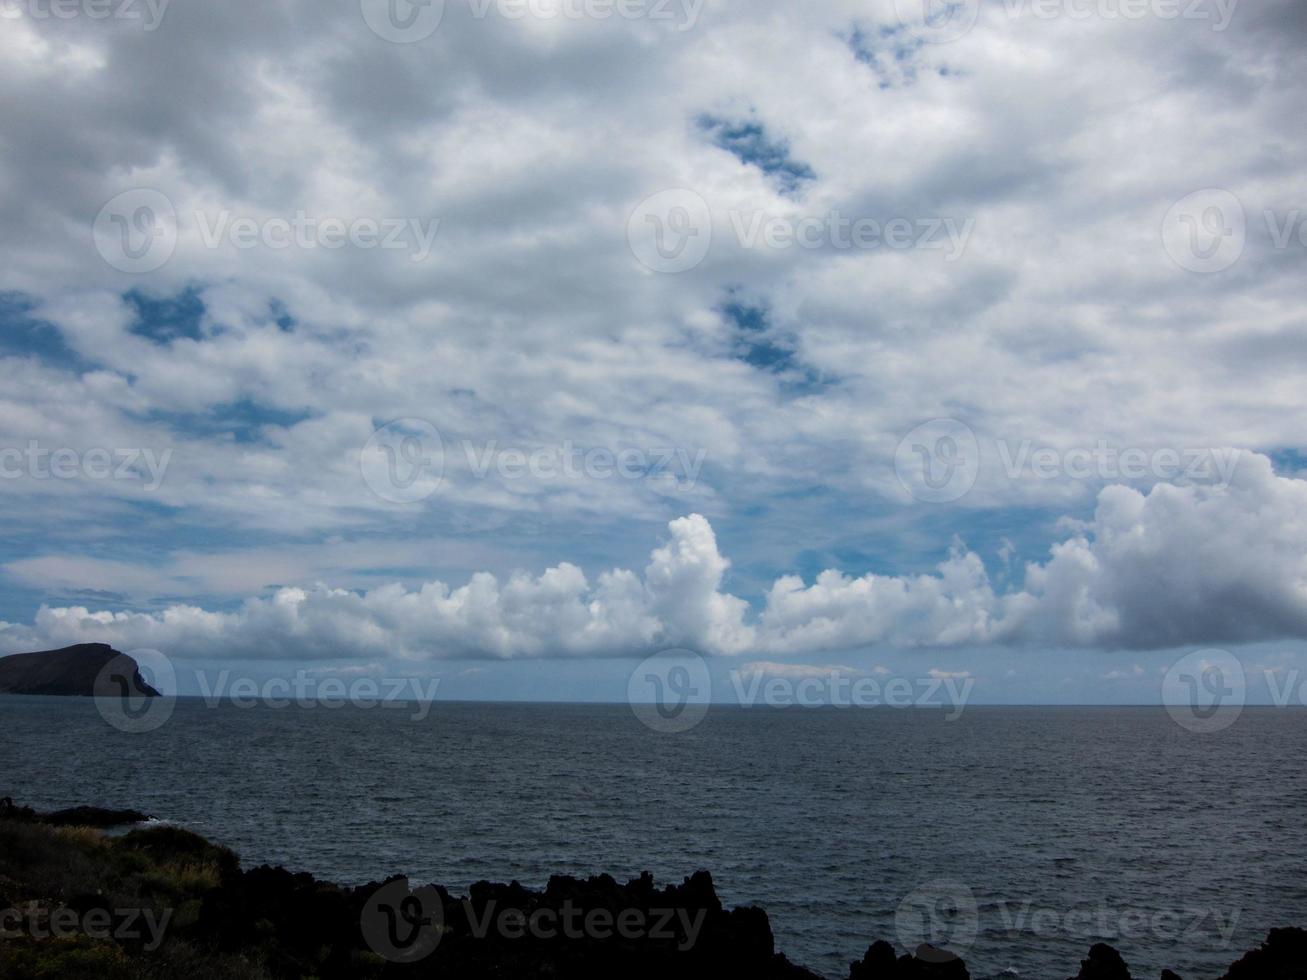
point(768, 668)
point(948, 675)
point(479, 126)
point(677, 601)
point(531, 325)
point(1181, 564)
point(1178, 565)
point(1134, 673)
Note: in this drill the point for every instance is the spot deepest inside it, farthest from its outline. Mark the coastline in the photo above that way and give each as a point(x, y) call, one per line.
point(78, 902)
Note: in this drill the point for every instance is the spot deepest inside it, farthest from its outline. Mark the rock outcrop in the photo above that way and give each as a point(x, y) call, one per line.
point(1282, 957)
point(180, 906)
point(85, 670)
point(927, 963)
point(1104, 963)
point(78, 816)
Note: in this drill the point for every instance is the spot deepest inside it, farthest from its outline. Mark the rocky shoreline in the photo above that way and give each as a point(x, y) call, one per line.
point(159, 901)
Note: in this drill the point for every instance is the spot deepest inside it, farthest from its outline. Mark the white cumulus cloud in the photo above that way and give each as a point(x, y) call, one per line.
point(1176, 565)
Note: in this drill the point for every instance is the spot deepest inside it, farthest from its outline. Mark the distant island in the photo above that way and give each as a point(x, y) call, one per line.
point(160, 901)
point(85, 670)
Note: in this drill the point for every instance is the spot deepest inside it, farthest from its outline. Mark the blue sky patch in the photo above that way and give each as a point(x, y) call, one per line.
point(751, 145)
point(243, 420)
point(22, 335)
point(165, 319)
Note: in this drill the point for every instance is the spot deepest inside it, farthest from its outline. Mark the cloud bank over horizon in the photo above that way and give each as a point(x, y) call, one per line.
point(1177, 565)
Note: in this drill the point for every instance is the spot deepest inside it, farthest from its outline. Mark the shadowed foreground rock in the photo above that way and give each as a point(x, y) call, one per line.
point(161, 902)
point(927, 963)
point(1282, 957)
point(78, 816)
point(1104, 963)
point(208, 918)
point(496, 931)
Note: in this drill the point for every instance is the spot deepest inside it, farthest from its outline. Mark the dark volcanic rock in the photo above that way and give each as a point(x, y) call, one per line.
point(221, 921)
point(78, 816)
point(879, 961)
point(93, 816)
point(85, 670)
point(1282, 957)
point(1104, 963)
point(929, 963)
point(306, 926)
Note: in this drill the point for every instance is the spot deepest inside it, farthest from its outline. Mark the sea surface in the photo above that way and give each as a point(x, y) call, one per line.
point(1063, 826)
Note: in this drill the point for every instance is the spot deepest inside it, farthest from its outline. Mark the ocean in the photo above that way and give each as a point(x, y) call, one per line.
point(1019, 836)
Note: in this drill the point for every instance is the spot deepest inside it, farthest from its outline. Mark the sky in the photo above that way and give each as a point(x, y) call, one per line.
point(509, 343)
